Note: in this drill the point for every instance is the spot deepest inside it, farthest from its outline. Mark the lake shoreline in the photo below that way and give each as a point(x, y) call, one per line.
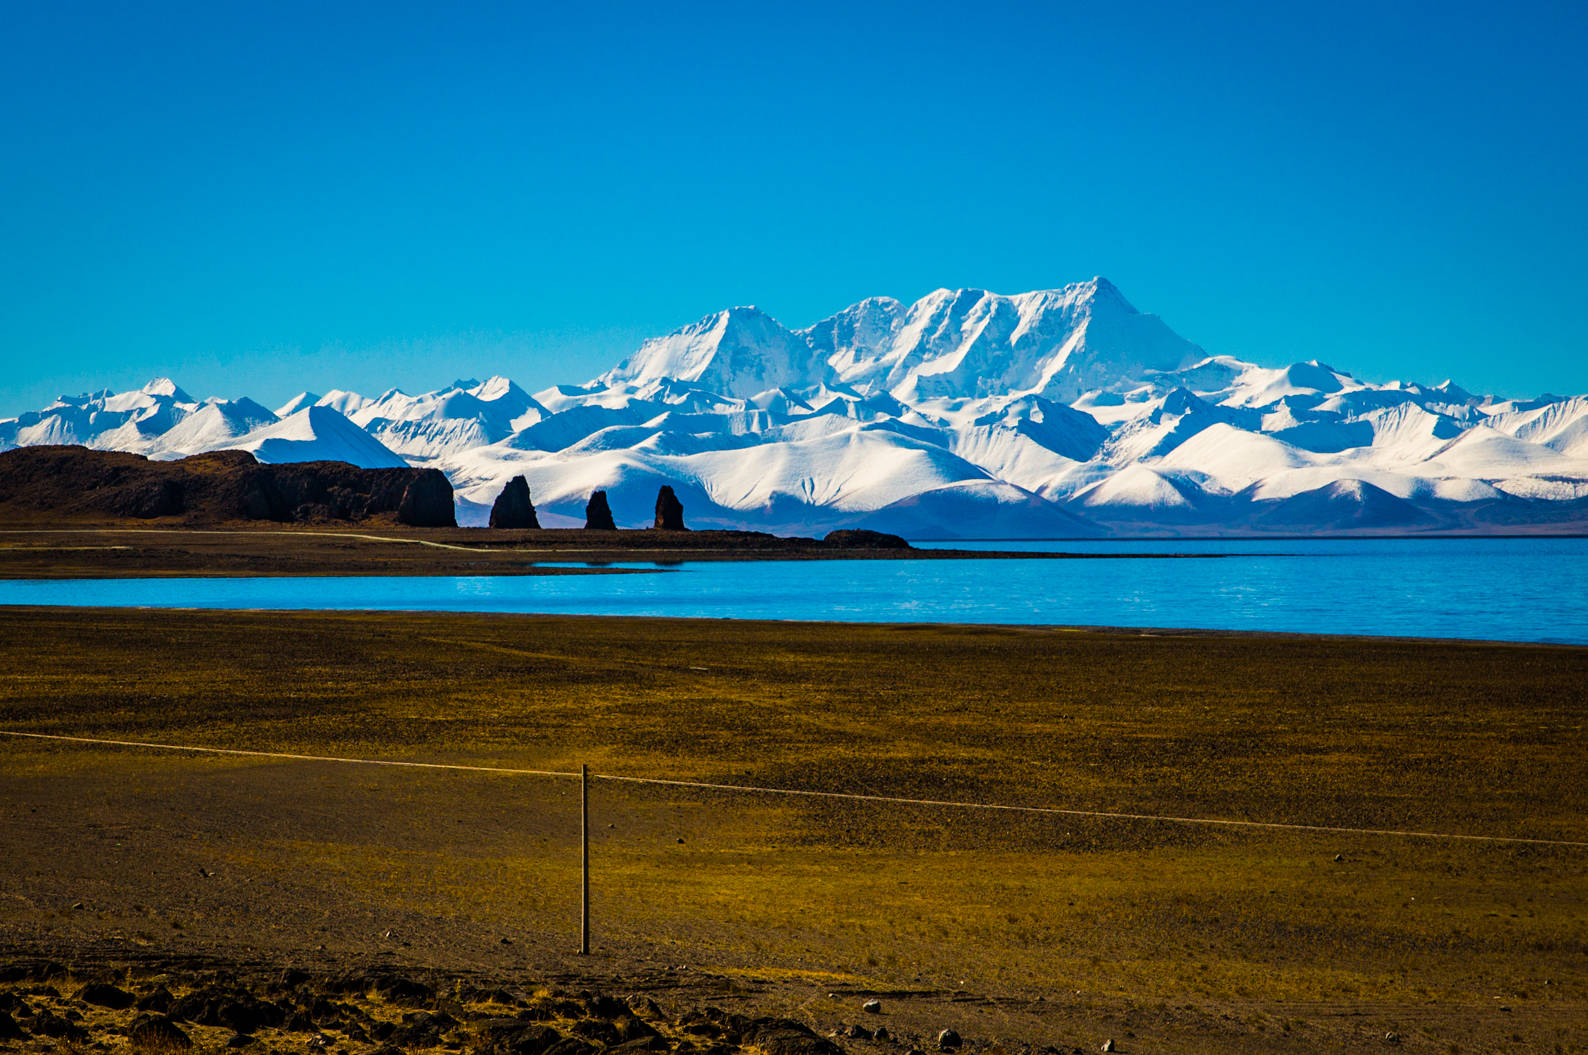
point(1106, 630)
point(123, 552)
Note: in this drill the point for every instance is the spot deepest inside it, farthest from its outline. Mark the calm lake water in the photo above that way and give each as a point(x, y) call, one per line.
point(1495, 589)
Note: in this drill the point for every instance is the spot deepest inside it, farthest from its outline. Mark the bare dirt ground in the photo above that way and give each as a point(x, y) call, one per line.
point(1018, 931)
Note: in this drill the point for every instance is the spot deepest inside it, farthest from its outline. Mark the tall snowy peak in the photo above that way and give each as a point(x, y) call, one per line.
point(465, 414)
point(967, 343)
point(739, 352)
point(313, 434)
point(852, 340)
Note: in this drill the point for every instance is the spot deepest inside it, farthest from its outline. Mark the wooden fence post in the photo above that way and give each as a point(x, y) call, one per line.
point(584, 860)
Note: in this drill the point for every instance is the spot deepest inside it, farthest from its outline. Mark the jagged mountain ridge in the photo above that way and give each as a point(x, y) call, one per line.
point(967, 413)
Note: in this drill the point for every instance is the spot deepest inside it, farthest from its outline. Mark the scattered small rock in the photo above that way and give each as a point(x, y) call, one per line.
point(246, 1014)
point(948, 1040)
point(882, 1034)
point(644, 1005)
point(157, 1031)
point(858, 1032)
point(48, 1024)
point(423, 1029)
point(35, 972)
point(400, 990)
point(1339, 857)
point(102, 994)
point(781, 1036)
point(1108, 1045)
point(872, 1007)
point(605, 1006)
point(1392, 1037)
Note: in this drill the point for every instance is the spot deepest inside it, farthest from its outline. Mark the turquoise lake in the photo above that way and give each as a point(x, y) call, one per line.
point(1483, 589)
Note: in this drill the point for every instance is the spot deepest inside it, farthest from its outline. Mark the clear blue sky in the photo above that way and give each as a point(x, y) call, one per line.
point(262, 198)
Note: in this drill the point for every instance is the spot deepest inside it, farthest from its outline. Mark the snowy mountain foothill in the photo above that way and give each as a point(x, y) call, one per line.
point(1054, 414)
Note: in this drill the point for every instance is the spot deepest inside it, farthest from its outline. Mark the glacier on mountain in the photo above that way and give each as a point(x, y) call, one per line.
point(1056, 413)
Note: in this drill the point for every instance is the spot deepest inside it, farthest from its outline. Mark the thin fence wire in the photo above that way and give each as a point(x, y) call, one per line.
point(845, 796)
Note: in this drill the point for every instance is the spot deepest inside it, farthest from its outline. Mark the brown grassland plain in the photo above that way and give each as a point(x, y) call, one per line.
point(1014, 929)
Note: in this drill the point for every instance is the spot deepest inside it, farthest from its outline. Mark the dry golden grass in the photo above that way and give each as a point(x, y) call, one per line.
point(1179, 925)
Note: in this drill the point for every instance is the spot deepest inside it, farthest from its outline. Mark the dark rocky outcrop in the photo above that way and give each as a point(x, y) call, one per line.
point(427, 501)
point(40, 485)
point(858, 538)
point(572, 1046)
point(512, 508)
point(597, 514)
point(400, 989)
point(31, 971)
point(669, 510)
point(245, 1014)
point(389, 986)
point(157, 1033)
point(158, 1000)
point(780, 1036)
point(423, 1029)
point(513, 1037)
point(103, 994)
point(48, 1024)
point(381, 1010)
point(235, 1009)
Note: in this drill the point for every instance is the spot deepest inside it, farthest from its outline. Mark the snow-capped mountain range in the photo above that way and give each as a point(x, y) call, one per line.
point(1056, 413)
